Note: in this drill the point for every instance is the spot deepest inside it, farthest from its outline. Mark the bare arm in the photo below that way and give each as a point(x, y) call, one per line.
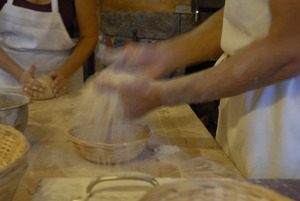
point(199, 45)
point(86, 12)
point(26, 78)
point(273, 59)
point(8, 65)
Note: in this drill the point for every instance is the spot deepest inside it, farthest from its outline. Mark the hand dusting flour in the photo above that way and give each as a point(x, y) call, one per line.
point(101, 115)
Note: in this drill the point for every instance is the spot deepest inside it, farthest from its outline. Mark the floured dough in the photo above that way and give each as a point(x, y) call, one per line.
point(47, 81)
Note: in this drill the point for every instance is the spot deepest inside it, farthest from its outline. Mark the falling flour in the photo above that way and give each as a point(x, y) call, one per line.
point(102, 113)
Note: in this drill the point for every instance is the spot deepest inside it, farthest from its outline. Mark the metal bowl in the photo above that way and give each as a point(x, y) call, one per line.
point(211, 190)
point(14, 110)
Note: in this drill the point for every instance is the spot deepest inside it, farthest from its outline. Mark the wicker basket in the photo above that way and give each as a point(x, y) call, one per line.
point(13, 160)
point(101, 152)
point(212, 190)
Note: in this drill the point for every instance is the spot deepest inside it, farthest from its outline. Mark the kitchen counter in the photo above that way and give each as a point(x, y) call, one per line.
point(180, 148)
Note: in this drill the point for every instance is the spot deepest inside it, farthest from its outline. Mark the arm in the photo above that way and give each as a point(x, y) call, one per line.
point(273, 59)
point(86, 12)
point(8, 65)
point(26, 78)
point(198, 45)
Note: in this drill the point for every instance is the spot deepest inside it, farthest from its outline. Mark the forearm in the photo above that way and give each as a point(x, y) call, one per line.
point(79, 56)
point(86, 12)
point(258, 66)
point(271, 60)
point(201, 44)
point(9, 66)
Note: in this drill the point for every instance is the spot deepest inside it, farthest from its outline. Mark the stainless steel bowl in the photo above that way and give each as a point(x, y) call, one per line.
point(211, 190)
point(14, 110)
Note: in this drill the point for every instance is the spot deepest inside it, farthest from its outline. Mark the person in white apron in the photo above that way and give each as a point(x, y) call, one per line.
point(34, 43)
point(259, 81)
point(259, 129)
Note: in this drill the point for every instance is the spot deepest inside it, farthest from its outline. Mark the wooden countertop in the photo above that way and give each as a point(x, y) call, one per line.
point(181, 147)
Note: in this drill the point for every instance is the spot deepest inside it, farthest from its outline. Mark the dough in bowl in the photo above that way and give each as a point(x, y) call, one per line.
point(47, 81)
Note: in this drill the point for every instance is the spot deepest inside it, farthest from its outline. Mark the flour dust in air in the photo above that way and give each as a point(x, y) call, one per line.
point(100, 115)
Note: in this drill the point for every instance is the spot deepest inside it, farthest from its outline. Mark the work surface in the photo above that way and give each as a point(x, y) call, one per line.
point(180, 148)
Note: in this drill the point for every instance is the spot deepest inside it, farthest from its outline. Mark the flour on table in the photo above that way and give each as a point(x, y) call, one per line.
point(166, 149)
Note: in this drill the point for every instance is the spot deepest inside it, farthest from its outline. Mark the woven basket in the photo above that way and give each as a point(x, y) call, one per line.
point(100, 152)
point(13, 160)
point(212, 190)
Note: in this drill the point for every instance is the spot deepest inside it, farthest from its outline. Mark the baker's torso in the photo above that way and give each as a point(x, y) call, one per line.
point(66, 10)
point(258, 130)
point(33, 37)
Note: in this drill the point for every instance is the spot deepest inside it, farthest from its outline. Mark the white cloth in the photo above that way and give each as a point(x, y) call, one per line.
point(258, 130)
point(33, 37)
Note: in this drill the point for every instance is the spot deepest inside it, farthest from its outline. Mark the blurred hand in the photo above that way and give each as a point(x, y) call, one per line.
point(31, 86)
point(60, 85)
point(137, 59)
point(136, 92)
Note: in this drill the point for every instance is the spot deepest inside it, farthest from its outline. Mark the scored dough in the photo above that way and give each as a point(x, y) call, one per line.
point(47, 81)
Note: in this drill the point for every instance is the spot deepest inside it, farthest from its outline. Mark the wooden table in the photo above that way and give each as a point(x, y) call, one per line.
point(181, 147)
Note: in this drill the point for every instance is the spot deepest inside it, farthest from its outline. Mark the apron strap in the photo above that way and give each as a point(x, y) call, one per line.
point(54, 6)
point(222, 58)
point(10, 2)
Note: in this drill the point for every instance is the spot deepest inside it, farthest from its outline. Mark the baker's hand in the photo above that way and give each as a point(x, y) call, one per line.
point(31, 86)
point(137, 93)
point(60, 84)
point(137, 59)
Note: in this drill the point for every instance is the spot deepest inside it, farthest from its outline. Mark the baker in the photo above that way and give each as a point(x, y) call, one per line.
point(34, 41)
point(257, 79)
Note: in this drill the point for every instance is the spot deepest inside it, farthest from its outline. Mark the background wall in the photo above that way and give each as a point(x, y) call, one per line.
point(167, 6)
point(152, 19)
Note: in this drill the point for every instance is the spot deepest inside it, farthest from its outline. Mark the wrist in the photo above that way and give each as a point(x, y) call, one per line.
point(56, 74)
point(154, 94)
point(166, 93)
point(166, 56)
point(20, 76)
point(173, 92)
point(163, 93)
point(63, 73)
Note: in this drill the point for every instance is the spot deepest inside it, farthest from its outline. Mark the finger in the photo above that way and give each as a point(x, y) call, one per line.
point(25, 89)
point(61, 89)
point(57, 82)
point(31, 69)
point(58, 88)
point(30, 92)
point(54, 75)
point(34, 85)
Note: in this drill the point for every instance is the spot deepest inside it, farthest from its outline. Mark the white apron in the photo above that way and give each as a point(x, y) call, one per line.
point(258, 130)
point(33, 37)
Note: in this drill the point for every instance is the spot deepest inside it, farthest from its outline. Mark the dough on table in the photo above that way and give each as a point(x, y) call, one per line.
point(47, 81)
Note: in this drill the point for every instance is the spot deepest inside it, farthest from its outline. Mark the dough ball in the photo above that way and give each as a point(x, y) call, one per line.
point(47, 81)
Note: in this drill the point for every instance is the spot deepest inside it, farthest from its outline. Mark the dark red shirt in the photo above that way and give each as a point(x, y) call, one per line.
point(66, 10)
